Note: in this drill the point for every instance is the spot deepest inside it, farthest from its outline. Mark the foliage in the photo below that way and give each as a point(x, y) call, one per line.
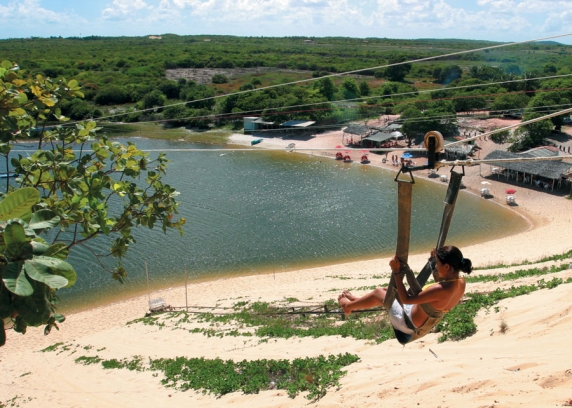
point(550, 102)
point(398, 68)
point(112, 95)
point(509, 102)
point(501, 137)
point(135, 66)
point(91, 184)
point(531, 135)
point(220, 377)
point(350, 89)
point(440, 116)
point(31, 269)
point(219, 79)
point(153, 99)
point(446, 75)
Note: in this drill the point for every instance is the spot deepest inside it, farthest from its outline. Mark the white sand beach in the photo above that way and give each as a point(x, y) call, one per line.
point(519, 356)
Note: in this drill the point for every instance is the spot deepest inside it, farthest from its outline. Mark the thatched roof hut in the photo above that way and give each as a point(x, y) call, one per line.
point(546, 169)
point(357, 130)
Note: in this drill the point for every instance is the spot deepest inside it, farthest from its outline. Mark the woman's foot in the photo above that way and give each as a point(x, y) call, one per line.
point(348, 295)
point(344, 303)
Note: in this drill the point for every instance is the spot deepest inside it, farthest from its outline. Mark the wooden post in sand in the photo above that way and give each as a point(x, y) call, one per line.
point(148, 290)
point(186, 300)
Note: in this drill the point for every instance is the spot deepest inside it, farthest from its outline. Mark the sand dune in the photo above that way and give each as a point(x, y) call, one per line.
point(520, 355)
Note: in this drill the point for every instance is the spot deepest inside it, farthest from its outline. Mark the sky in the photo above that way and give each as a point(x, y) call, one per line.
point(494, 20)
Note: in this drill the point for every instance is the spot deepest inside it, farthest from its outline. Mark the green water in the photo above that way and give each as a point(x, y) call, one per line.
point(259, 212)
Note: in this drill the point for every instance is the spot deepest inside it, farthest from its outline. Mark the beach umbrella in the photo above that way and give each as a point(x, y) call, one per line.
point(406, 156)
point(510, 191)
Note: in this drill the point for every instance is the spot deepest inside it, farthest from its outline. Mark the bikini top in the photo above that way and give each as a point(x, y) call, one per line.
point(434, 283)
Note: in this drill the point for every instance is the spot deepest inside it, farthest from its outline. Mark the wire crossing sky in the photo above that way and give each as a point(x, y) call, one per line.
point(494, 20)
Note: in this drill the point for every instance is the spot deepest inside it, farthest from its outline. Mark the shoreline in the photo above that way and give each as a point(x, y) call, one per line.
point(526, 363)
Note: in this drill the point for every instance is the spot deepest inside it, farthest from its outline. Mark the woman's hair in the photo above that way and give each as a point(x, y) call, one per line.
point(452, 255)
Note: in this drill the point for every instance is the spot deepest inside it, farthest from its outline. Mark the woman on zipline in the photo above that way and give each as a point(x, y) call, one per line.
point(442, 295)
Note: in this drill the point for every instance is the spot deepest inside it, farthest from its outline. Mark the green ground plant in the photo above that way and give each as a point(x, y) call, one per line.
point(219, 377)
point(265, 321)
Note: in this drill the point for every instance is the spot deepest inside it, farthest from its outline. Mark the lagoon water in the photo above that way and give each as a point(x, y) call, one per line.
point(263, 212)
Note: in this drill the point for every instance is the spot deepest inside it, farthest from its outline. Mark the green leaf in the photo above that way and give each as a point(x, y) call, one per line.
point(14, 233)
point(39, 246)
point(19, 251)
point(58, 250)
point(59, 267)
point(15, 280)
point(44, 219)
point(34, 310)
point(40, 272)
point(18, 203)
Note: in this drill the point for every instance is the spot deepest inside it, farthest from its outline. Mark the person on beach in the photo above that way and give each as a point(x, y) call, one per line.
point(442, 295)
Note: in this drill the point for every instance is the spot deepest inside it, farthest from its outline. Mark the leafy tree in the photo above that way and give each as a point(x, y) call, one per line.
point(364, 88)
point(326, 87)
point(532, 135)
point(513, 69)
point(398, 71)
point(349, 89)
point(176, 115)
point(440, 116)
point(219, 79)
point(94, 187)
point(509, 102)
point(170, 89)
point(448, 74)
point(200, 93)
point(501, 137)
point(31, 268)
point(550, 102)
point(77, 109)
point(112, 95)
point(154, 98)
point(550, 68)
point(467, 101)
point(485, 72)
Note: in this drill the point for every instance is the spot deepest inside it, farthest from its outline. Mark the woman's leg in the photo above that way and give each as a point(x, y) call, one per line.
point(349, 302)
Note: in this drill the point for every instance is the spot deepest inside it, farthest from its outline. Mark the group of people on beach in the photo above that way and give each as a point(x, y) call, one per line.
point(397, 161)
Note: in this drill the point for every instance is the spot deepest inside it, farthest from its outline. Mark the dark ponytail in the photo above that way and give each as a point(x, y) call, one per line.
point(452, 256)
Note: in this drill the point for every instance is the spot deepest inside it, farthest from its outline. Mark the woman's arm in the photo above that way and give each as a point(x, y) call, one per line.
point(431, 294)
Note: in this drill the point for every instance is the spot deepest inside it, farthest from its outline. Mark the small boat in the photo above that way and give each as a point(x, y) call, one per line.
point(7, 175)
point(339, 156)
point(290, 146)
point(255, 142)
point(347, 159)
point(364, 159)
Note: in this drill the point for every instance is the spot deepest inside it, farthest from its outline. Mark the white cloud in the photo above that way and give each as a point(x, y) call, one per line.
point(30, 9)
point(124, 8)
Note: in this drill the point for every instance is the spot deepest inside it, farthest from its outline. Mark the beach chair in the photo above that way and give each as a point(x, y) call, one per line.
point(158, 305)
